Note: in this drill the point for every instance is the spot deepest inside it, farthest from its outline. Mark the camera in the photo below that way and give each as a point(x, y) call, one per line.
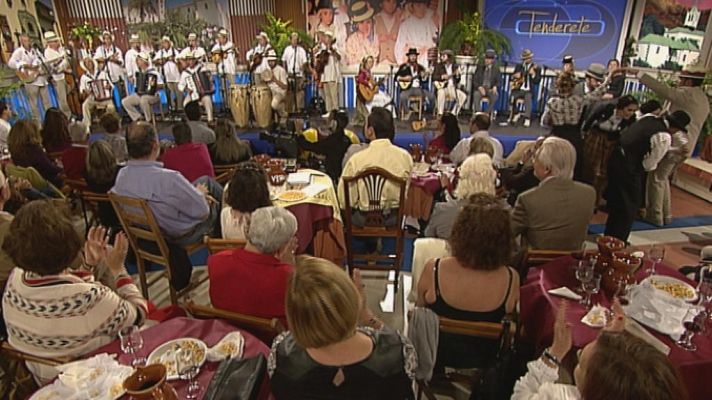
point(283, 139)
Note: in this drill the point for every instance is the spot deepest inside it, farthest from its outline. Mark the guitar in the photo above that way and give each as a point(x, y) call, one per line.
point(366, 92)
point(443, 83)
point(516, 82)
point(29, 74)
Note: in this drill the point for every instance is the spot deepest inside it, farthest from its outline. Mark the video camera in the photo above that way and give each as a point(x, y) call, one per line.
point(284, 140)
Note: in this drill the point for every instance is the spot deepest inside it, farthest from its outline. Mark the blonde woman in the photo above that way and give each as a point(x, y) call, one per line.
point(335, 348)
point(477, 175)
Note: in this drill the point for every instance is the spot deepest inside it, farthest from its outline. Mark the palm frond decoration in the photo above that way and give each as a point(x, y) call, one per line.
point(471, 31)
point(279, 32)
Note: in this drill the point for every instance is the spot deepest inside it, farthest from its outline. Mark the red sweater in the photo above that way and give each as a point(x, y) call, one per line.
point(74, 161)
point(192, 160)
point(248, 283)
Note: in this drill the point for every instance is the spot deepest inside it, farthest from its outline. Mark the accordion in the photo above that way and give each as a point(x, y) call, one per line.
point(203, 81)
point(146, 83)
point(101, 89)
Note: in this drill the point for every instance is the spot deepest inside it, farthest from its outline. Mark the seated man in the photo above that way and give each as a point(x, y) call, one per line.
point(253, 280)
point(201, 133)
point(74, 158)
point(555, 214)
point(486, 80)
point(410, 77)
point(524, 79)
point(192, 160)
point(479, 127)
point(278, 87)
point(148, 81)
point(380, 153)
point(446, 78)
point(96, 87)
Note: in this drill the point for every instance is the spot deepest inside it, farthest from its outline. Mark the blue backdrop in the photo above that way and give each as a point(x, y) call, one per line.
point(589, 30)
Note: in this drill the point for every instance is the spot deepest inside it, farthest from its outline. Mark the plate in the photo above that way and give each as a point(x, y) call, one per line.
point(58, 391)
point(292, 196)
point(674, 287)
point(165, 354)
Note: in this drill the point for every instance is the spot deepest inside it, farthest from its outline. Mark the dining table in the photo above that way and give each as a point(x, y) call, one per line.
point(424, 185)
point(539, 309)
point(209, 331)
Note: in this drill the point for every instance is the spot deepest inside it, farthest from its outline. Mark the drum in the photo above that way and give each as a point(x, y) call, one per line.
point(266, 75)
point(239, 105)
point(261, 100)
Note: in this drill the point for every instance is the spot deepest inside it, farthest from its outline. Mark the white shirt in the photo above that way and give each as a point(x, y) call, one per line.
point(228, 65)
point(22, 57)
point(186, 82)
point(660, 144)
point(130, 62)
point(198, 52)
point(170, 69)
point(115, 71)
point(52, 58)
point(4, 131)
point(87, 79)
point(262, 50)
point(293, 59)
point(332, 71)
point(418, 33)
point(278, 74)
point(462, 149)
point(540, 384)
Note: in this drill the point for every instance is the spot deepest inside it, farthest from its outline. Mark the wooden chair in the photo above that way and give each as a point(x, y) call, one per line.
point(265, 328)
point(411, 101)
point(89, 200)
point(8, 351)
point(216, 245)
point(505, 332)
point(139, 223)
point(223, 173)
point(535, 258)
point(374, 180)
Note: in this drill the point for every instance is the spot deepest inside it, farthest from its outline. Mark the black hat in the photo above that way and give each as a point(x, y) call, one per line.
point(412, 51)
point(568, 59)
point(322, 4)
point(679, 119)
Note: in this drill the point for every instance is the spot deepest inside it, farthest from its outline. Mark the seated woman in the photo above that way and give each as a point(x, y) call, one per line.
point(253, 280)
point(81, 314)
point(335, 348)
point(246, 192)
point(448, 135)
point(189, 158)
point(332, 147)
point(25, 145)
point(100, 175)
point(55, 131)
point(227, 148)
point(367, 84)
point(477, 175)
point(474, 284)
point(617, 365)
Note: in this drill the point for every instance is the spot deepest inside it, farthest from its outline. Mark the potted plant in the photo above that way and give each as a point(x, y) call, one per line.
point(86, 32)
point(471, 34)
point(279, 32)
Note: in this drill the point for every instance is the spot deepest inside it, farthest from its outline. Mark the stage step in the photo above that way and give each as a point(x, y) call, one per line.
point(695, 177)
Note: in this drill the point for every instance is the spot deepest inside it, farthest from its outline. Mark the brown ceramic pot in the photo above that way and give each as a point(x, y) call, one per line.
point(149, 383)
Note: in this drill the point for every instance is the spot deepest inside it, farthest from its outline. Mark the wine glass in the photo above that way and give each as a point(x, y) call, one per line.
point(656, 253)
point(591, 287)
point(584, 273)
point(623, 290)
point(691, 328)
point(188, 368)
point(132, 343)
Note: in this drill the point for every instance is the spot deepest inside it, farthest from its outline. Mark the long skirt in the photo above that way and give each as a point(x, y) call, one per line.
point(572, 133)
point(597, 148)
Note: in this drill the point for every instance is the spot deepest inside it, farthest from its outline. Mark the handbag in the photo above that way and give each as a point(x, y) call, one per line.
point(237, 379)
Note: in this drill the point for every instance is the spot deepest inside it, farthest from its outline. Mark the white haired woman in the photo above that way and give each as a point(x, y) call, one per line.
point(253, 280)
point(477, 175)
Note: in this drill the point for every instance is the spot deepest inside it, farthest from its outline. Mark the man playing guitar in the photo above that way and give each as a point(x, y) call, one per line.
point(227, 64)
point(526, 75)
point(195, 48)
point(56, 60)
point(410, 77)
point(130, 57)
point(295, 59)
point(446, 78)
point(256, 57)
point(112, 57)
point(27, 62)
point(166, 59)
point(327, 58)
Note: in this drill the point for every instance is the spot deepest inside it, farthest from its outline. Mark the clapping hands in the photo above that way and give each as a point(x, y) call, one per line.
point(98, 250)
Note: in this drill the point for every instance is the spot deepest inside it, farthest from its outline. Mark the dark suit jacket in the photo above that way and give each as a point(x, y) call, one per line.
point(480, 76)
point(519, 68)
point(554, 215)
point(440, 71)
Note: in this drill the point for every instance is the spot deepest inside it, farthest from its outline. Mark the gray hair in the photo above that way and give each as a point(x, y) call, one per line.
point(477, 175)
point(78, 132)
point(558, 155)
point(271, 228)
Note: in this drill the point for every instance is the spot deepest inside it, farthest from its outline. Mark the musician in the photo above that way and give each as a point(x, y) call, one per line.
point(410, 77)
point(328, 57)
point(363, 41)
point(528, 74)
point(56, 58)
point(366, 83)
point(26, 60)
point(194, 47)
point(111, 55)
point(93, 73)
point(148, 81)
point(487, 79)
point(187, 83)
point(567, 65)
point(228, 59)
point(130, 57)
point(278, 86)
point(255, 56)
point(447, 78)
point(165, 59)
point(294, 58)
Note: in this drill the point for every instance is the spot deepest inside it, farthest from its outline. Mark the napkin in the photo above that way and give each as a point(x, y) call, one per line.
point(314, 189)
point(638, 330)
point(564, 292)
point(299, 178)
point(659, 311)
point(98, 377)
point(230, 346)
point(596, 317)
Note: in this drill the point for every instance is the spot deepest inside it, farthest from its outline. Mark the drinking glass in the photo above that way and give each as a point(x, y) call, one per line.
point(623, 290)
point(591, 287)
point(132, 343)
point(656, 253)
point(584, 273)
point(188, 368)
point(691, 328)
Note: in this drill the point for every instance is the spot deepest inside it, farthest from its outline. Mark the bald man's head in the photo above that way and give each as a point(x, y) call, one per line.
point(141, 140)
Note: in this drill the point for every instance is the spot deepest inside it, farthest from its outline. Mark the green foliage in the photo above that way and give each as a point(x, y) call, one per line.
point(8, 82)
point(176, 26)
point(470, 31)
point(279, 32)
point(87, 32)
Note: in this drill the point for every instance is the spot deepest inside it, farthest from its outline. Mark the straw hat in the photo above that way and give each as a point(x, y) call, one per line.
point(596, 71)
point(271, 55)
point(192, 36)
point(134, 38)
point(526, 54)
point(83, 62)
point(144, 56)
point(166, 39)
point(50, 36)
point(263, 34)
point(360, 11)
point(223, 33)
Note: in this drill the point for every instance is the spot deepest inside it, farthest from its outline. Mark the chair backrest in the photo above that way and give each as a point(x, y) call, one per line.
point(374, 181)
point(264, 327)
point(223, 173)
point(533, 258)
point(505, 330)
point(216, 245)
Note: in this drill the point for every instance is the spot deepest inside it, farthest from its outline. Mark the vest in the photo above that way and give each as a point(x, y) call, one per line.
point(635, 140)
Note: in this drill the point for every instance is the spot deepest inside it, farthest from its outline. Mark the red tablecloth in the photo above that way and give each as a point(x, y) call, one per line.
point(317, 226)
point(419, 199)
point(538, 312)
point(209, 331)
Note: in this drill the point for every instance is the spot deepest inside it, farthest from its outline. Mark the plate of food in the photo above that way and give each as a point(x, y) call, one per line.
point(292, 196)
point(230, 346)
point(674, 287)
point(165, 354)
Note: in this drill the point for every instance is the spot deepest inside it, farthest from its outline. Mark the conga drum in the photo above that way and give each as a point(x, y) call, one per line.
point(261, 100)
point(239, 105)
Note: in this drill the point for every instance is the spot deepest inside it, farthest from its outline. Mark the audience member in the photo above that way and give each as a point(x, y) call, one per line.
point(5, 115)
point(42, 276)
point(479, 127)
point(477, 175)
point(555, 214)
point(112, 125)
point(615, 88)
point(474, 284)
point(192, 160)
point(228, 149)
point(380, 153)
point(246, 192)
point(6, 264)
point(448, 134)
point(55, 131)
point(201, 132)
point(334, 146)
point(327, 353)
point(100, 175)
point(74, 158)
point(480, 145)
point(253, 280)
point(522, 178)
point(25, 144)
